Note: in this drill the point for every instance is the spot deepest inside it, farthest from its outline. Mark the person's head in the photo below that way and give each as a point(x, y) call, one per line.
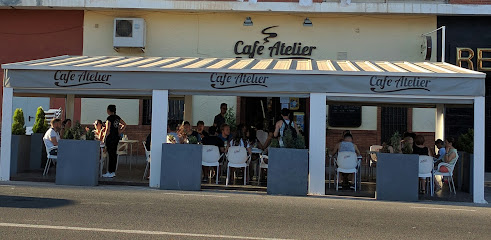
point(98, 124)
point(111, 109)
point(439, 143)
point(285, 113)
point(212, 131)
point(223, 108)
point(172, 126)
point(55, 123)
point(449, 142)
point(409, 134)
point(408, 140)
point(201, 126)
point(348, 137)
point(67, 123)
point(238, 135)
point(225, 129)
point(419, 140)
point(187, 126)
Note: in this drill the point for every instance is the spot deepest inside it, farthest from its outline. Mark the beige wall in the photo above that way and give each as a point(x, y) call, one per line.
point(424, 119)
point(369, 37)
point(96, 108)
point(205, 108)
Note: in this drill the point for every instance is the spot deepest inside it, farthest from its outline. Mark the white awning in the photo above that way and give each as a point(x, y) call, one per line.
point(140, 75)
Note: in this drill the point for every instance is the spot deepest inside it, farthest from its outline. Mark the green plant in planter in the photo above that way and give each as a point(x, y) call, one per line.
point(18, 125)
point(230, 119)
point(192, 140)
point(77, 132)
point(394, 144)
point(466, 141)
point(40, 124)
point(90, 135)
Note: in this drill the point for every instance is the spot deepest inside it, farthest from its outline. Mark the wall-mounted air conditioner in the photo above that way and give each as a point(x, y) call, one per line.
point(129, 32)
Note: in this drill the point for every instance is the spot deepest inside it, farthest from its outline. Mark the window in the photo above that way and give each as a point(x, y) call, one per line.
point(344, 116)
point(176, 111)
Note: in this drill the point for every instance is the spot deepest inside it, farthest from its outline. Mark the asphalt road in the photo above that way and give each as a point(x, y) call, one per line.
point(47, 211)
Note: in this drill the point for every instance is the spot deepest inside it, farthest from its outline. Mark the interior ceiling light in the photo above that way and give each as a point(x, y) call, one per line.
point(307, 22)
point(248, 21)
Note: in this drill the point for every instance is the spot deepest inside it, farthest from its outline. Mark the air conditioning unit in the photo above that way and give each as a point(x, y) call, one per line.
point(129, 32)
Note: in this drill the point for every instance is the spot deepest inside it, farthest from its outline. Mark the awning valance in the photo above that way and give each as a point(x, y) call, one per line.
point(230, 75)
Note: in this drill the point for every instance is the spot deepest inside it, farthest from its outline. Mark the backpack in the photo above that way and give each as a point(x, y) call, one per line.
point(291, 128)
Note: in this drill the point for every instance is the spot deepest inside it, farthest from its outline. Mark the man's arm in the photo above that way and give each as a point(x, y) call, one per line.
point(54, 141)
point(357, 151)
point(277, 129)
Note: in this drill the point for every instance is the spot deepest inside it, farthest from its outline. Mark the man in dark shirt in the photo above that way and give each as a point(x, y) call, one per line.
point(220, 118)
point(213, 140)
point(201, 129)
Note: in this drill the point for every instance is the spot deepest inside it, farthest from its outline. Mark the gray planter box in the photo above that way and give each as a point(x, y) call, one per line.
point(181, 167)
point(78, 163)
point(38, 151)
point(397, 177)
point(288, 171)
point(20, 149)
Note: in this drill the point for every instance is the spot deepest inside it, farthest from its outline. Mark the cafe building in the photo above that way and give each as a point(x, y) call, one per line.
point(355, 63)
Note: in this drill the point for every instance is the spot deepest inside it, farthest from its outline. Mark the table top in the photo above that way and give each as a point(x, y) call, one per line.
point(128, 141)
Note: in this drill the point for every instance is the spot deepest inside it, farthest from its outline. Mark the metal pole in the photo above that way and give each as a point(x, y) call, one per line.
point(443, 43)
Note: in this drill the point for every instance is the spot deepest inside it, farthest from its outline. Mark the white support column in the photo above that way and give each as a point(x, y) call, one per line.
point(317, 144)
point(8, 96)
point(160, 106)
point(479, 148)
point(70, 107)
point(440, 122)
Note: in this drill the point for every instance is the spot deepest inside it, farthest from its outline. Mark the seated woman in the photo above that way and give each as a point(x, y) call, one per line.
point(347, 145)
point(240, 139)
point(449, 159)
point(420, 149)
point(99, 129)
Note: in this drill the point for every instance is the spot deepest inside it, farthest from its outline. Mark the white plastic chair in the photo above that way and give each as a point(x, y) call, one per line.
point(103, 158)
point(52, 113)
point(262, 165)
point(449, 174)
point(51, 158)
point(426, 171)
point(347, 162)
point(374, 149)
point(237, 158)
point(147, 156)
point(210, 158)
point(122, 151)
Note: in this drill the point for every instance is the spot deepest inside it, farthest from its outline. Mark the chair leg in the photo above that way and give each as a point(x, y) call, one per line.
point(46, 167)
point(218, 172)
point(245, 175)
point(228, 174)
point(453, 184)
point(356, 180)
point(259, 175)
point(146, 171)
point(337, 181)
point(117, 163)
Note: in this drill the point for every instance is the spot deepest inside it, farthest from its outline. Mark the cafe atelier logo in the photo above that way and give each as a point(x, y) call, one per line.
point(278, 49)
point(77, 78)
point(388, 84)
point(237, 80)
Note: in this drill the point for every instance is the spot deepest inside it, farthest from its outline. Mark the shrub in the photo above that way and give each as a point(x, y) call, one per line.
point(77, 132)
point(18, 127)
point(289, 141)
point(40, 124)
point(230, 119)
point(466, 142)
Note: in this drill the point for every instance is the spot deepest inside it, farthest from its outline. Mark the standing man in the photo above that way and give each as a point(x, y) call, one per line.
point(52, 136)
point(220, 118)
point(281, 124)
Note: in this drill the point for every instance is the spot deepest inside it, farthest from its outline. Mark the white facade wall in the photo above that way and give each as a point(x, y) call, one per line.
point(424, 119)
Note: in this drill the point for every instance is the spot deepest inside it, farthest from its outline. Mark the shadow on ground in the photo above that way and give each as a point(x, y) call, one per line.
point(32, 202)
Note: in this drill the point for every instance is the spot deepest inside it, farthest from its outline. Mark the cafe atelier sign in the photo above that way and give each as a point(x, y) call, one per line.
point(379, 84)
point(237, 80)
point(277, 49)
point(80, 78)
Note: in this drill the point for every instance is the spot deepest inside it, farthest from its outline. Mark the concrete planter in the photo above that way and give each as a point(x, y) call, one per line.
point(397, 177)
point(78, 163)
point(463, 172)
point(288, 171)
point(20, 148)
point(38, 151)
point(181, 167)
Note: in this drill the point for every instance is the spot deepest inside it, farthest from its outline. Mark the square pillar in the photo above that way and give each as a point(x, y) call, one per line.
point(8, 96)
point(317, 144)
point(188, 109)
point(479, 148)
point(160, 106)
point(70, 107)
point(439, 123)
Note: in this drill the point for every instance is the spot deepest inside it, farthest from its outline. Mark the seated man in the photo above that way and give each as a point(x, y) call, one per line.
point(52, 136)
